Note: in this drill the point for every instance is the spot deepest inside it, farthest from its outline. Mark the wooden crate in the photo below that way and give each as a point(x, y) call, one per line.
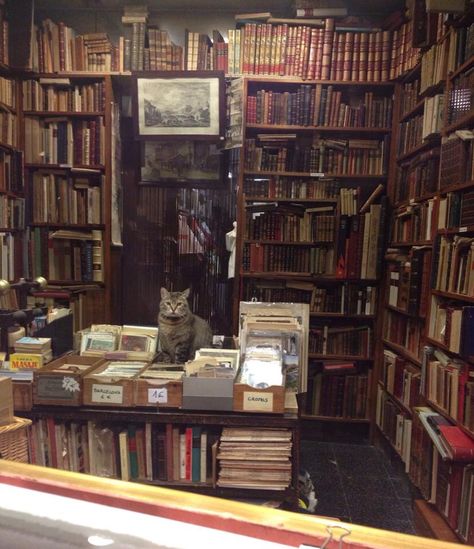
point(251, 399)
point(158, 393)
point(100, 390)
point(56, 388)
point(22, 395)
point(6, 400)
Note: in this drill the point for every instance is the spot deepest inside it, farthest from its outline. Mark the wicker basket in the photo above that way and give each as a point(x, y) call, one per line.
point(14, 440)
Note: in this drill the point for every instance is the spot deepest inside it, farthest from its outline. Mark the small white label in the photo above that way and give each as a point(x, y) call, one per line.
point(412, 200)
point(317, 174)
point(158, 394)
point(258, 401)
point(111, 394)
point(463, 229)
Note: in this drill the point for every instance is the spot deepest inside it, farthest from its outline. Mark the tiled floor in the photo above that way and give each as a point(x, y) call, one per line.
point(359, 483)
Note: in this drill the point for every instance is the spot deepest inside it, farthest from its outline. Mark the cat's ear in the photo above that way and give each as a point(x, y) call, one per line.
point(185, 294)
point(164, 293)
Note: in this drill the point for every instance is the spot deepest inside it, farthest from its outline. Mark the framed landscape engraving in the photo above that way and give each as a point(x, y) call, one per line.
point(177, 104)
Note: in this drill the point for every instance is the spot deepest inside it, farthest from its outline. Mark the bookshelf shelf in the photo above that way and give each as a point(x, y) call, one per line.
point(307, 276)
point(433, 89)
point(445, 348)
point(466, 120)
point(402, 312)
point(322, 129)
point(411, 244)
point(78, 75)
point(316, 175)
point(446, 414)
point(98, 168)
point(433, 142)
point(6, 107)
point(72, 226)
point(340, 357)
point(297, 80)
point(459, 187)
point(8, 148)
point(466, 65)
point(415, 110)
point(314, 243)
point(341, 315)
point(69, 114)
point(75, 283)
point(414, 200)
point(457, 230)
point(395, 399)
point(290, 200)
point(334, 419)
point(458, 297)
point(399, 349)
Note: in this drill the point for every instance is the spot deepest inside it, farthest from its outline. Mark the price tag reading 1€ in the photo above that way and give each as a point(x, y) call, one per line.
point(158, 395)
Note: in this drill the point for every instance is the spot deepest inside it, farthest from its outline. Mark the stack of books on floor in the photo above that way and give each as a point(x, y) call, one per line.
point(31, 353)
point(254, 458)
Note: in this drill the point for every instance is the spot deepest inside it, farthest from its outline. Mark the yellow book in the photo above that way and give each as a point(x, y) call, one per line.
point(26, 361)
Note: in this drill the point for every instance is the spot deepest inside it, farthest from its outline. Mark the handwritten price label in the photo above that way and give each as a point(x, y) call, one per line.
point(110, 394)
point(158, 395)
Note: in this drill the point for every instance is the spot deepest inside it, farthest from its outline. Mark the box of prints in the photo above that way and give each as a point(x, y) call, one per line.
point(60, 383)
point(269, 400)
point(113, 383)
point(159, 387)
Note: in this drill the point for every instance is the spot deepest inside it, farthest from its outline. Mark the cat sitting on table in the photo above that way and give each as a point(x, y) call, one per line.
point(181, 332)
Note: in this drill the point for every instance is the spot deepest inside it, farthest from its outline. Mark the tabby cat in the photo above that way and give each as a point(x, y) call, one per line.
point(181, 332)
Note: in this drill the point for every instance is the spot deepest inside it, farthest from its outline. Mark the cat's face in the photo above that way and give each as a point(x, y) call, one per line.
point(174, 304)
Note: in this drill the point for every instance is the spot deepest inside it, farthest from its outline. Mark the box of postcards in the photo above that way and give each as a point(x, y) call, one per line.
point(60, 383)
point(160, 385)
point(113, 383)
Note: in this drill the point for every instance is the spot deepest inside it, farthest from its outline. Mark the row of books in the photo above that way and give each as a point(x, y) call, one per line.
point(11, 171)
point(12, 212)
point(332, 339)
point(129, 452)
point(8, 128)
point(309, 225)
point(62, 96)
point(446, 384)
point(59, 198)
point(456, 209)
point(267, 258)
point(409, 280)
point(410, 134)
point(404, 56)
point(417, 177)
point(11, 253)
point(8, 92)
point(461, 97)
point(451, 324)
point(409, 98)
point(453, 268)
point(400, 379)
point(360, 242)
point(457, 158)
point(318, 106)
point(257, 458)
point(394, 424)
point(290, 187)
point(416, 222)
point(462, 44)
point(434, 65)
point(346, 298)
point(4, 36)
point(338, 392)
point(58, 141)
point(403, 331)
point(67, 255)
point(440, 465)
point(432, 116)
point(351, 157)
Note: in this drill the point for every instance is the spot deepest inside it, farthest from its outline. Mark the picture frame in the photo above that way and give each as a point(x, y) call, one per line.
point(179, 104)
point(178, 162)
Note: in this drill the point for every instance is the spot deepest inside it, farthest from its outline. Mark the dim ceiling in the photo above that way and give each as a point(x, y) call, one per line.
point(277, 7)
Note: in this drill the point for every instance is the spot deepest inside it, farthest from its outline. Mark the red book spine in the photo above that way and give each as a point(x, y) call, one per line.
point(189, 452)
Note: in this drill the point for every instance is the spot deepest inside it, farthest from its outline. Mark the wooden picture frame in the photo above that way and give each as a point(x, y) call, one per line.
point(179, 105)
point(177, 162)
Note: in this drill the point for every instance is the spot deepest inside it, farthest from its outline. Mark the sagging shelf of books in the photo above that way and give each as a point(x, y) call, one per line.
point(118, 366)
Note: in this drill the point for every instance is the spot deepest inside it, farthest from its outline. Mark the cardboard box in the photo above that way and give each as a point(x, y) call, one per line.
point(107, 386)
point(158, 393)
point(210, 393)
point(6, 400)
point(250, 399)
point(60, 383)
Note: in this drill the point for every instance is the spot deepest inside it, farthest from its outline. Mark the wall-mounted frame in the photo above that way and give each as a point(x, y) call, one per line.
point(179, 104)
point(181, 161)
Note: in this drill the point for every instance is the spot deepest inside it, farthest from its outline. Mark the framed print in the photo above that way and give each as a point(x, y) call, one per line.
point(176, 162)
point(179, 104)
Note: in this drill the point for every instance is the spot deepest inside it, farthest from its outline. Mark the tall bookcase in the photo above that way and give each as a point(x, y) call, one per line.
point(309, 217)
point(68, 163)
point(425, 363)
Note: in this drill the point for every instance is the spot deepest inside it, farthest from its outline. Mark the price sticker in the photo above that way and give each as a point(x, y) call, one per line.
point(158, 395)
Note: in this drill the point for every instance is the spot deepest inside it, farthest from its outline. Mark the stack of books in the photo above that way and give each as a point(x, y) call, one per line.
point(31, 353)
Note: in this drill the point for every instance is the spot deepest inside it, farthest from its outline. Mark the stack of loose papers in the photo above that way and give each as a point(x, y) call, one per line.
point(120, 369)
point(258, 458)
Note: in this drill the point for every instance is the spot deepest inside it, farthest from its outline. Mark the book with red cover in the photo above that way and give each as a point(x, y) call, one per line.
point(460, 445)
